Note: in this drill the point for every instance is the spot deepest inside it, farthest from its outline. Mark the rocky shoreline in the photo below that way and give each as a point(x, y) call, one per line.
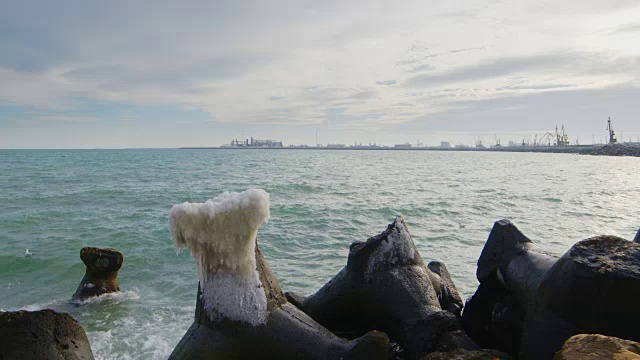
point(614, 150)
point(387, 303)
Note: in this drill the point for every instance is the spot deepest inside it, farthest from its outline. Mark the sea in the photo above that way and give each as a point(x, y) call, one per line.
point(54, 202)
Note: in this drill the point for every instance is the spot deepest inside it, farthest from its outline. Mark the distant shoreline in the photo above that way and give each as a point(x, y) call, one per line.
point(603, 150)
point(580, 149)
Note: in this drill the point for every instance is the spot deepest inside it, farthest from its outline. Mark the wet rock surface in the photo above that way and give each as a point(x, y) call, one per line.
point(43, 334)
point(101, 276)
point(596, 347)
point(386, 286)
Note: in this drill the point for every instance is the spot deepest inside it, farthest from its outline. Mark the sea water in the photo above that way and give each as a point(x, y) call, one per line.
point(55, 202)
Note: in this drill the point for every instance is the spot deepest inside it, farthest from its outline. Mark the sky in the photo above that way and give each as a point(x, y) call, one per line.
point(133, 74)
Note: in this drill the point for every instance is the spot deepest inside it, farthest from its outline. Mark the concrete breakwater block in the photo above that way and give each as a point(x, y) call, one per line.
point(42, 335)
point(528, 304)
point(287, 333)
point(241, 312)
point(386, 286)
point(101, 276)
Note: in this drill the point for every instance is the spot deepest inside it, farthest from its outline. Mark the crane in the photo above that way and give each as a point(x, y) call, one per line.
point(612, 134)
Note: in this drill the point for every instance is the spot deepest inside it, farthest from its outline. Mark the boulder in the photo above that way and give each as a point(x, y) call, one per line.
point(42, 335)
point(637, 238)
point(592, 288)
point(528, 304)
point(597, 347)
point(456, 339)
point(386, 286)
point(509, 272)
point(101, 276)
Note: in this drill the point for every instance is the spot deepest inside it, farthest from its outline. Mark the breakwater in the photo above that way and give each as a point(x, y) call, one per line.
point(606, 150)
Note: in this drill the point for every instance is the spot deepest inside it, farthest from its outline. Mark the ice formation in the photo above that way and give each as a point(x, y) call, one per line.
point(221, 236)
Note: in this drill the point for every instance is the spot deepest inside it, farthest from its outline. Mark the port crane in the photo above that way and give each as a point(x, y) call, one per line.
point(562, 138)
point(612, 134)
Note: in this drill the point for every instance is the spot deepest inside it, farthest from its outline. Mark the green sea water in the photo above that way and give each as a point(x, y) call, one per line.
point(55, 202)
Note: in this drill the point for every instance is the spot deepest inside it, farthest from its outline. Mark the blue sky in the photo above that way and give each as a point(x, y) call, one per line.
point(77, 74)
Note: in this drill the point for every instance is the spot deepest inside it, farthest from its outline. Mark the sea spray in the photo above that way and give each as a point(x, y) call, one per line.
point(221, 236)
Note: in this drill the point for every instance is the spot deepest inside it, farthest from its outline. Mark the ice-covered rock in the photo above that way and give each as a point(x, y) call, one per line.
point(241, 312)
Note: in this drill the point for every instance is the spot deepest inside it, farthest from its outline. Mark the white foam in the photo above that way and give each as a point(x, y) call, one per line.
point(114, 297)
point(221, 235)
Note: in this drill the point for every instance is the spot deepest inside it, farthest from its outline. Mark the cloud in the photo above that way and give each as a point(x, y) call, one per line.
point(67, 118)
point(251, 62)
point(629, 28)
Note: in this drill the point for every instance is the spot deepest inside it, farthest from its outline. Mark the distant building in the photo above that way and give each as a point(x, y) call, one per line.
point(255, 143)
point(336, 146)
point(402, 146)
point(445, 144)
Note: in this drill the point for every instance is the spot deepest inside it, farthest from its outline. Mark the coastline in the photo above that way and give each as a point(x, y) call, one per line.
point(605, 150)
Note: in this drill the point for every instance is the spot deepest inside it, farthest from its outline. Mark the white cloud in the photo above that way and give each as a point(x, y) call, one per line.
point(368, 63)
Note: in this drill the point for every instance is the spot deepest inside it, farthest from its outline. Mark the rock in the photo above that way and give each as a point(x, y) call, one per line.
point(101, 276)
point(287, 334)
point(460, 354)
point(528, 304)
point(596, 347)
point(456, 339)
point(637, 238)
point(616, 150)
point(509, 273)
point(43, 334)
point(592, 288)
point(448, 295)
point(386, 286)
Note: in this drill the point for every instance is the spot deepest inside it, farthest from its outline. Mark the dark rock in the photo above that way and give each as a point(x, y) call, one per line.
point(386, 286)
point(460, 354)
point(493, 318)
point(43, 334)
point(287, 334)
point(101, 276)
point(616, 150)
point(295, 299)
point(637, 238)
point(529, 304)
point(593, 288)
point(509, 274)
point(457, 339)
point(448, 295)
point(596, 347)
